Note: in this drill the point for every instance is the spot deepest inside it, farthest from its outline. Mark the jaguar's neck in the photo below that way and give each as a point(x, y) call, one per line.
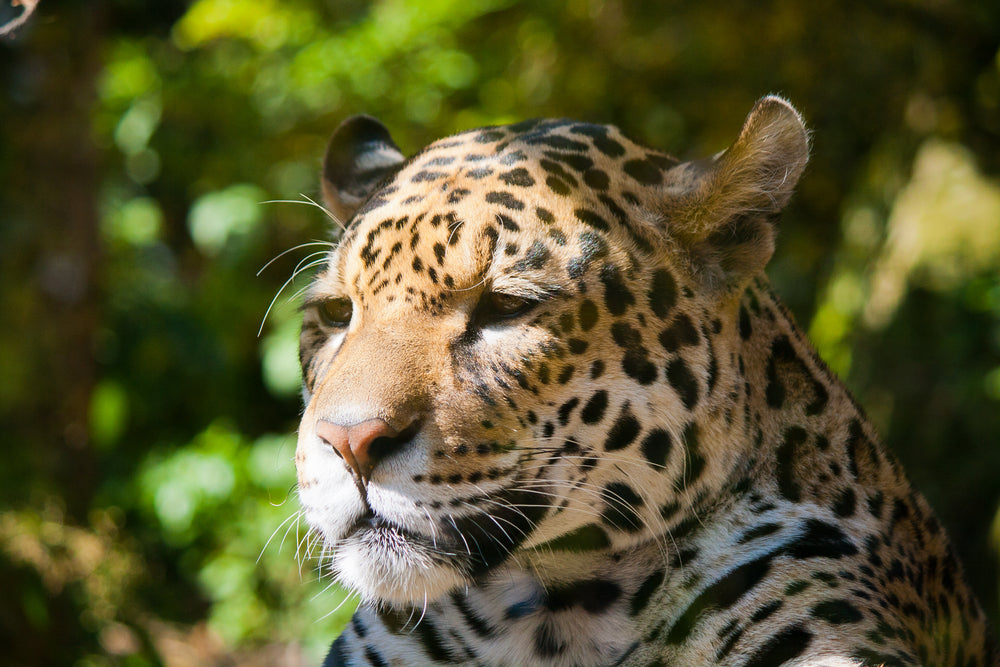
point(809, 441)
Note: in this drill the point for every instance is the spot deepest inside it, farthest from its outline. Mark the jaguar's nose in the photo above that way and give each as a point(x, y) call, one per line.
point(363, 445)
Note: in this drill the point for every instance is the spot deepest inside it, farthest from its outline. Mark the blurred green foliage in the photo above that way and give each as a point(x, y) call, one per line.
point(147, 508)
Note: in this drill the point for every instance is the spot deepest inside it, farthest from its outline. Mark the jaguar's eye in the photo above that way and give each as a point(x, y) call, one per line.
point(336, 312)
point(505, 305)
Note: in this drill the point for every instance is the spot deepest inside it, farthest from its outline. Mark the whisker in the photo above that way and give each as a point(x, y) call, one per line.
point(299, 268)
point(292, 249)
point(309, 201)
point(293, 516)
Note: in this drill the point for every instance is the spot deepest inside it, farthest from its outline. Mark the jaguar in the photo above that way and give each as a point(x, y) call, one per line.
point(555, 415)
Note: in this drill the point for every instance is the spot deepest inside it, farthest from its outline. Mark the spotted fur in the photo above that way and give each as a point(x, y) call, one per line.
point(555, 415)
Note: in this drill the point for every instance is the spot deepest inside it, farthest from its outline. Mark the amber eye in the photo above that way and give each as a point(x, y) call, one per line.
point(336, 312)
point(505, 305)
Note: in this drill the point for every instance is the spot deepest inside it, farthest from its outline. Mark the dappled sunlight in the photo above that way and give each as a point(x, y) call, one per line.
point(944, 229)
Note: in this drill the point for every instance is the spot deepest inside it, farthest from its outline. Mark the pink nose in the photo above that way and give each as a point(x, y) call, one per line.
point(360, 445)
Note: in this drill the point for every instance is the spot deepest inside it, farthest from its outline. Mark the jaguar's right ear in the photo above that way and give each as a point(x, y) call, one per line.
point(360, 154)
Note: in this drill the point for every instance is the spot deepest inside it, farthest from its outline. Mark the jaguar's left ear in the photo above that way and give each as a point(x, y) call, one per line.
point(361, 153)
point(722, 212)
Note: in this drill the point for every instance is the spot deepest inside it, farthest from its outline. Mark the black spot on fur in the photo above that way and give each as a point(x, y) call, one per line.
point(623, 432)
point(621, 507)
point(646, 590)
point(431, 641)
point(784, 359)
point(875, 504)
point(785, 463)
point(635, 361)
point(592, 247)
point(837, 612)
point(643, 171)
point(507, 223)
point(337, 657)
point(374, 658)
point(766, 611)
point(580, 163)
point(781, 648)
point(424, 176)
point(662, 293)
point(845, 503)
point(566, 409)
point(439, 252)
point(681, 333)
point(661, 161)
point(505, 199)
point(757, 532)
point(557, 185)
point(694, 461)
point(821, 540)
point(588, 217)
point(566, 374)
point(860, 450)
point(519, 177)
point(746, 330)
point(599, 135)
point(781, 352)
point(544, 215)
point(523, 126)
point(471, 617)
point(593, 411)
point(558, 142)
point(720, 595)
point(683, 381)
point(593, 595)
point(488, 136)
point(617, 297)
point(534, 258)
point(596, 179)
point(547, 644)
point(479, 173)
point(588, 315)
point(656, 447)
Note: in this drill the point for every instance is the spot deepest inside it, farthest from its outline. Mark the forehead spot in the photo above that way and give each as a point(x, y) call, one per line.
point(507, 223)
point(580, 163)
point(591, 219)
point(519, 177)
point(505, 199)
point(479, 173)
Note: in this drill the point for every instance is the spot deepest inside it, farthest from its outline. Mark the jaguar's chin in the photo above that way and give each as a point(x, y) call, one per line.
point(385, 564)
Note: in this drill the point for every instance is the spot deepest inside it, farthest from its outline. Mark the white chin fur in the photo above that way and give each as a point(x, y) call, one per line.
point(384, 567)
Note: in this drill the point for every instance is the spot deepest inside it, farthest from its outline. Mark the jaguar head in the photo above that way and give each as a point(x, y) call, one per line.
point(508, 346)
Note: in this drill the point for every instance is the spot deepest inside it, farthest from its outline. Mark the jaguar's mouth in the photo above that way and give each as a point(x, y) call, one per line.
point(370, 522)
point(376, 531)
point(400, 562)
point(388, 563)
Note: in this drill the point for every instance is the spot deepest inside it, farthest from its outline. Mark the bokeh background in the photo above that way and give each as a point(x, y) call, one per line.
point(147, 502)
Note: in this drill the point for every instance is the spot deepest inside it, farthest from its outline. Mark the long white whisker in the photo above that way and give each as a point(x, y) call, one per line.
point(298, 269)
point(309, 201)
point(292, 249)
point(291, 517)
